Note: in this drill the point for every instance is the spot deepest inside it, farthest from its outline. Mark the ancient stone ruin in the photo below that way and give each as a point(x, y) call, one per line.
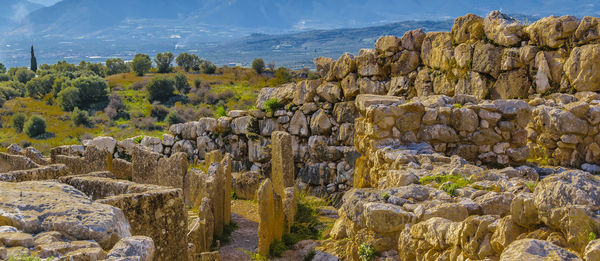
point(475, 144)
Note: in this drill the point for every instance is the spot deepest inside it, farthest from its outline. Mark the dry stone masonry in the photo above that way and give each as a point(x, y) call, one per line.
point(474, 144)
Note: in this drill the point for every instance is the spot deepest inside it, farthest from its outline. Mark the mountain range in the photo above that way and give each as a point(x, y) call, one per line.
point(12, 12)
point(235, 30)
point(77, 17)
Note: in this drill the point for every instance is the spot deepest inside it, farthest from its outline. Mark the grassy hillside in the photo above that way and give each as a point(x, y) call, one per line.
point(210, 95)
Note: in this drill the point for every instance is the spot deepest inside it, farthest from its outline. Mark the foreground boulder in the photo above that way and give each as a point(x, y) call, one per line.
point(533, 249)
point(38, 206)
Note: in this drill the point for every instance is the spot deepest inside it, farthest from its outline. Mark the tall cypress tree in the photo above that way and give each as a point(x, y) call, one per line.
point(33, 61)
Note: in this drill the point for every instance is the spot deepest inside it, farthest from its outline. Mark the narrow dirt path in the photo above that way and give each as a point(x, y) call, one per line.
point(245, 237)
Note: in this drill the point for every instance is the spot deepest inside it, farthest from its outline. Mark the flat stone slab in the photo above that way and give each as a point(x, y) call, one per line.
point(37, 206)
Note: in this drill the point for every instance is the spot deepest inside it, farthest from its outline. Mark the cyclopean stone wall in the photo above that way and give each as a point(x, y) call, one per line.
point(491, 132)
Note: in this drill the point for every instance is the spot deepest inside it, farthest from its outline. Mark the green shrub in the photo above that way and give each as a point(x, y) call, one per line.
point(272, 105)
point(4, 77)
point(207, 67)
point(163, 62)
point(160, 88)
point(174, 118)
point(531, 185)
point(92, 90)
point(18, 121)
point(220, 112)
point(116, 66)
point(258, 65)
point(385, 196)
point(310, 255)
point(35, 126)
point(138, 139)
point(24, 75)
point(366, 252)
point(159, 112)
point(60, 84)
point(68, 98)
point(181, 83)
point(252, 129)
point(197, 83)
point(80, 117)
point(277, 248)
point(38, 87)
point(450, 188)
point(141, 64)
point(592, 236)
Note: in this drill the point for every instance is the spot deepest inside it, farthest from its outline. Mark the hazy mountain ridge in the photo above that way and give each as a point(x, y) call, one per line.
point(13, 11)
point(74, 17)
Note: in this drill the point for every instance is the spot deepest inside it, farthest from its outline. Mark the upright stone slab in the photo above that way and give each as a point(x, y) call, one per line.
point(194, 188)
point(226, 166)
point(172, 170)
point(145, 165)
point(264, 195)
point(290, 208)
point(212, 157)
point(270, 225)
point(216, 191)
point(201, 229)
point(282, 158)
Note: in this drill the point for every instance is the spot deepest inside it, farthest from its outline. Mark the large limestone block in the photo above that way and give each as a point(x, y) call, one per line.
point(552, 31)
point(534, 249)
point(467, 28)
point(437, 50)
point(282, 161)
point(342, 67)
point(368, 86)
point(136, 246)
point(323, 65)
point(330, 92)
point(350, 86)
point(592, 251)
point(475, 235)
point(506, 232)
point(320, 123)
point(305, 92)
point(363, 101)
point(284, 94)
point(581, 68)
point(407, 62)
point(105, 143)
point(212, 157)
point(387, 45)
point(523, 210)
point(367, 63)
point(37, 206)
point(165, 210)
point(473, 83)
point(238, 125)
point(565, 201)
point(385, 218)
point(299, 125)
point(588, 30)
point(511, 85)
point(487, 59)
point(502, 29)
point(413, 40)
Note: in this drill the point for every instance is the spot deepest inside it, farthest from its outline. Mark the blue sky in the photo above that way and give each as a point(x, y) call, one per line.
point(45, 2)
